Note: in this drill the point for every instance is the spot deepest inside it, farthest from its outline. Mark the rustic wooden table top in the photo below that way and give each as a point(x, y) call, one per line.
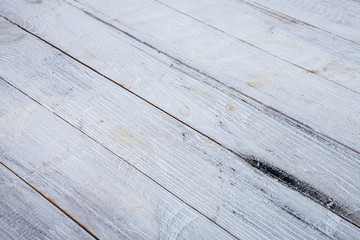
point(160, 119)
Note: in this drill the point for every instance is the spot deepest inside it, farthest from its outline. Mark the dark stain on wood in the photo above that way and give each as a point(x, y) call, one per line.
point(297, 184)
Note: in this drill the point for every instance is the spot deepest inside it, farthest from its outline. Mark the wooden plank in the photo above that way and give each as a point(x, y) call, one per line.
point(340, 18)
point(270, 141)
point(312, 49)
point(104, 193)
point(25, 214)
point(239, 67)
point(212, 180)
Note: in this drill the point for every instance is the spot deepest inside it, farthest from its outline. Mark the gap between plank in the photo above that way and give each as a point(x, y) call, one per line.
point(252, 45)
point(269, 170)
point(284, 16)
point(299, 125)
point(131, 165)
point(51, 202)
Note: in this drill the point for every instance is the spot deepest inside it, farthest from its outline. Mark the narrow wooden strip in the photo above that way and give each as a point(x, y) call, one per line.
point(313, 50)
point(340, 18)
point(24, 214)
point(282, 148)
point(213, 181)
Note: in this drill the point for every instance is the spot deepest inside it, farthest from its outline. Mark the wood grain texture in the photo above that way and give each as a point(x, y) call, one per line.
point(340, 18)
point(24, 214)
point(104, 193)
point(239, 67)
point(215, 182)
point(318, 167)
point(314, 50)
point(291, 90)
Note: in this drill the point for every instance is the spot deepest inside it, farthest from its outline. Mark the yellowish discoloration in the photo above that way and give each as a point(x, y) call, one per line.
point(53, 160)
point(231, 108)
point(253, 132)
point(217, 213)
point(84, 36)
point(22, 119)
point(122, 135)
point(44, 164)
point(197, 90)
point(87, 54)
point(80, 125)
point(288, 93)
point(255, 84)
point(162, 75)
point(54, 105)
point(185, 110)
point(53, 101)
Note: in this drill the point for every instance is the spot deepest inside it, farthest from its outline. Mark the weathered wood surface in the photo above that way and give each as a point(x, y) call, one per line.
point(293, 91)
point(310, 48)
point(89, 181)
point(340, 18)
point(24, 214)
point(109, 197)
point(316, 166)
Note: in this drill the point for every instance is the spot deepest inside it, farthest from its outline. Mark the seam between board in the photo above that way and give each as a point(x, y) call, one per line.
point(51, 202)
point(251, 162)
point(280, 14)
point(304, 127)
point(106, 148)
point(314, 72)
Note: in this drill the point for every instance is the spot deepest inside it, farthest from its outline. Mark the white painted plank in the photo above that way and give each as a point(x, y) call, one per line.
point(25, 214)
point(293, 91)
point(312, 49)
point(341, 18)
point(106, 195)
point(249, 130)
point(215, 182)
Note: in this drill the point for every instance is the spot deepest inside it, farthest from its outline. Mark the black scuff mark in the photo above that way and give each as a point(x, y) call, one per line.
point(184, 137)
point(297, 184)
